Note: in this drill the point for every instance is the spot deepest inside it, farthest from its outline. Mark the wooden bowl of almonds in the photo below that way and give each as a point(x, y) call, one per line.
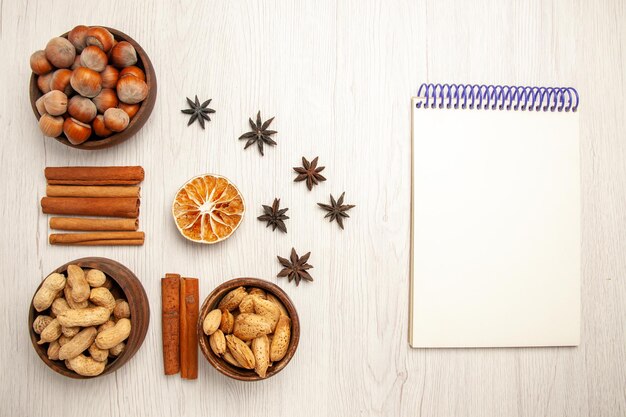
point(248, 329)
point(88, 318)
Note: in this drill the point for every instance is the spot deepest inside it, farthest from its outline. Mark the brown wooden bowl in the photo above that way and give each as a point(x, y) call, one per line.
point(211, 303)
point(136, 123)
point(129, 286)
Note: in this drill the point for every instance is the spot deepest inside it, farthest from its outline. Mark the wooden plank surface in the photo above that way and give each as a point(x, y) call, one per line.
point(338, 76)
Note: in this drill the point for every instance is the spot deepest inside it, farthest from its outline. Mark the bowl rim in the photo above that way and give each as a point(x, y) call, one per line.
point(220, 364)
point(136, 123)
point(137, 334)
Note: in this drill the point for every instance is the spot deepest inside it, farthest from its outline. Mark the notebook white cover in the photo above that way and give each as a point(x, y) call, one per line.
point(495, 228)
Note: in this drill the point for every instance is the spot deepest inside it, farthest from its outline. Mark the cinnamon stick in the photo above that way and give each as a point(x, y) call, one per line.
point(75, 238)
point(91, 191)
point(92, 206)
point(124, 175)
point(82, 224)
point(170, 317)
point(189, 295)
point(111, 242)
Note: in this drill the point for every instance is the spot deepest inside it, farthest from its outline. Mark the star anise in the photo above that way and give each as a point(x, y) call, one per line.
point(295, 267)
point(274, 216)
point(336, 210)
point(259, 133)
point(198, 111)
point(309, 172)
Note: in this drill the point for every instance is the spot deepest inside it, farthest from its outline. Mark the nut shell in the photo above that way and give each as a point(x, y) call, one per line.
point(61, 81)
point(110, 75)
point(86, 82)
point(55, 103)
point(134, 71)
point(39, 64)
point(130, 109)
point(60, 52)
point(43, 82)
point(105, 100)
point(78, 37)
point(51, 126)
point(123, 55)
point(116, 119)
point(94, 58)
point(99, 128)
point(82, 109)
point(76, 132)
point(131, 90)
point(100, 37)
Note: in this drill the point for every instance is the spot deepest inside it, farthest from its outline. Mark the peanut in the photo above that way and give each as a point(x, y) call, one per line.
point(51, 286)
point(280, 342)
point(86, 366)
point(102, 298)
point(232, 299)
point(70, 331)
point(247, 304)
point(267, 309)
point(78, 344)
point(78, 283)
point(95, 278)
point(41, 322)
point(117, 350)
point(240, 351)
point(59, 306)
point(64, 339)
point(115, 335)
point(261, 351)
point(73, 304)
point(212, 322)
point(84, 317)
point(280, 305)
point(217, 341)
point(98, 354)
point(227, 322)
point(122, 309)
point(53, 350)
point(51, 333)
point(250, 326)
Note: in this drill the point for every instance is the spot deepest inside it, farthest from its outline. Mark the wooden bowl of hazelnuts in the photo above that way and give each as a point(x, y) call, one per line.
point(92, 87)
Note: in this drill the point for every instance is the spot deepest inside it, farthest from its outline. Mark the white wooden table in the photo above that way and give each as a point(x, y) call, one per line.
point(338, 76)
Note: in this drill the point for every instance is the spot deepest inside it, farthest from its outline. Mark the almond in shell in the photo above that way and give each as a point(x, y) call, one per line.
point(217, 341)
point(240, 351)
point(261, 351)
point(249, 326)
point(267, 309)
point(280, 342)
point(227, 322)
point(232, 299)
point(212, 322)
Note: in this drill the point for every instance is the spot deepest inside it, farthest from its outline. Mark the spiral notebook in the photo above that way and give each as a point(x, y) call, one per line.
point(495, 233)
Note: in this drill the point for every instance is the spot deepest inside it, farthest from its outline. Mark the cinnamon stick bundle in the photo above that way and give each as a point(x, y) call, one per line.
point(98, 238)
point(92, 206)
point(91, 191)
point(124, 175)
point(81, 224)
point(189, 310)
point(170, 315)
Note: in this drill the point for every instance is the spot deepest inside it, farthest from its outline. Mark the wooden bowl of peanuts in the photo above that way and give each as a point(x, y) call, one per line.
point(248, 329)
point(88, 318)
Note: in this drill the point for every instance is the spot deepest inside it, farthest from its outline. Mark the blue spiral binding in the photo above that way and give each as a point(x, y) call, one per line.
point(500, 97)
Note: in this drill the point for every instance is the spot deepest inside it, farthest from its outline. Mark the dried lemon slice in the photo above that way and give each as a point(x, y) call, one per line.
point(208, 209)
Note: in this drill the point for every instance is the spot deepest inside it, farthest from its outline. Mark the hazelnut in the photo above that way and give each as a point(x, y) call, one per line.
point(99, 128)
point(130, 109)
point(61, 81)
point(41, 109)
point(51, 126)
point(99, 37)
point(123, 55)
point(82, 109)
point(60, 52)
point(105, 100)
point(39, 64)
point(131, 90)
point(75, 131)
point(135, 71)
point(109, 76)
point(93, 58)
point(43, 82)
point(55, 103)
point(86, 82)
point(78, 36)
point(116, 119)
point(76, 63)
